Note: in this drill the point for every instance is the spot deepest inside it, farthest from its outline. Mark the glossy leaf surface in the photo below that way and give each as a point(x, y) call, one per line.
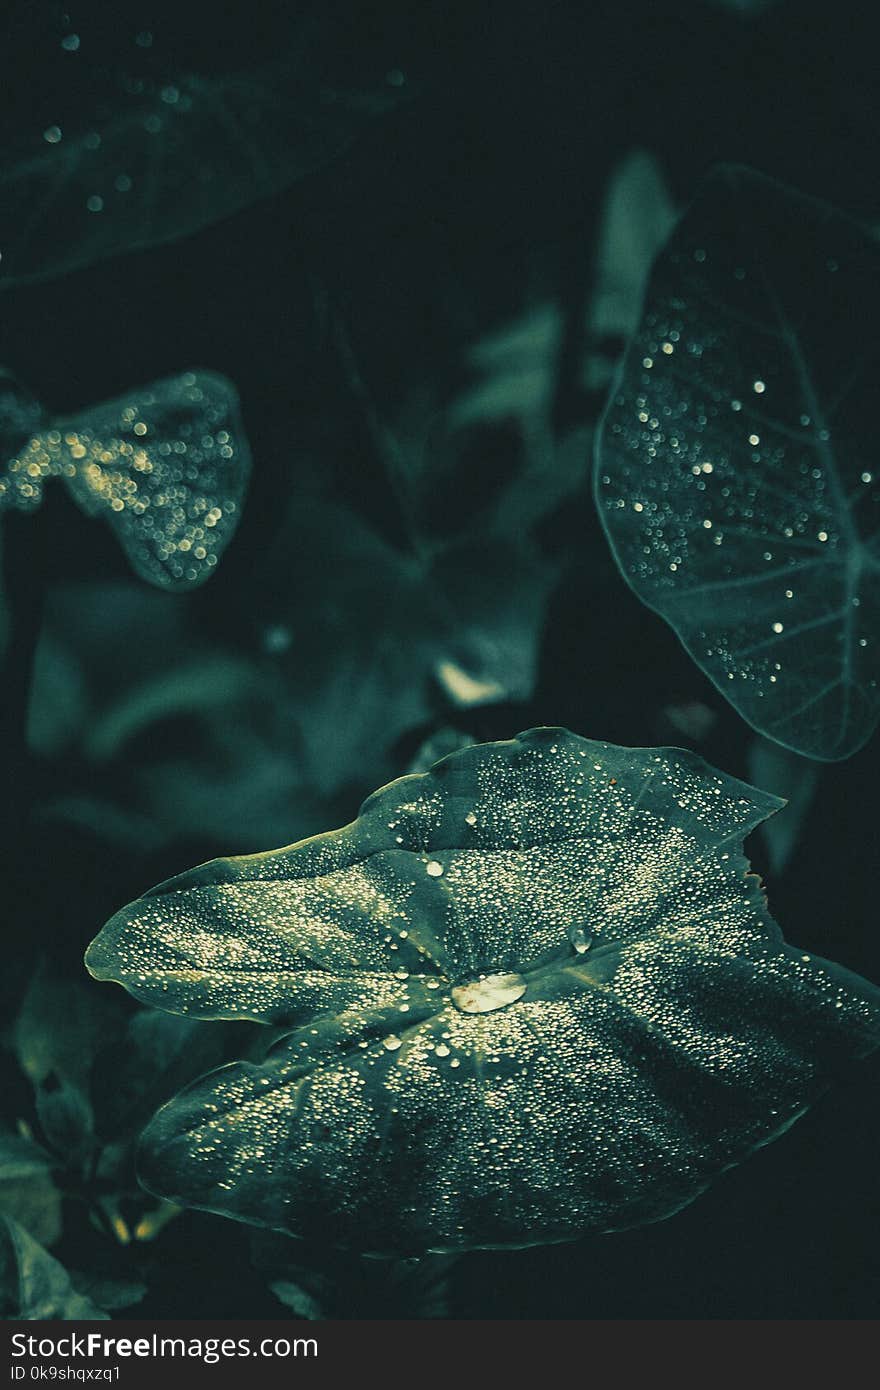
point(534, 993)
point(736, 466)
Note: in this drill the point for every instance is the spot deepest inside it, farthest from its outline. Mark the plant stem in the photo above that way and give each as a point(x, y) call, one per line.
point(384, 444)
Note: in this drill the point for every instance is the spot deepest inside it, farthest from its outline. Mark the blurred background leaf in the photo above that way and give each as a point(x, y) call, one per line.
point(120, 148)
point(33, 1285)
point(27, 1190)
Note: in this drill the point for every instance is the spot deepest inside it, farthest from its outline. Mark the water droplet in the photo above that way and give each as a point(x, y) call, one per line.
point(433, 869)
point(471, 818)
point(488, 993)
point(580, 940)
point(758, 387)
point(70, 42)
point(95, 203)
point(441, 1050)
point(52, 134)
point(391, 1043)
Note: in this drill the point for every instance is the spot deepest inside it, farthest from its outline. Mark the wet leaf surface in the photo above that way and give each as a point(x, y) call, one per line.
point(534, 992)
point(736, 465)
point(166, 466)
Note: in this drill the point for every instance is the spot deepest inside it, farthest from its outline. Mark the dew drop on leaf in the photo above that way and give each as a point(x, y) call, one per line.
point(536, 1091)
point(736, 466)
point(165, 465)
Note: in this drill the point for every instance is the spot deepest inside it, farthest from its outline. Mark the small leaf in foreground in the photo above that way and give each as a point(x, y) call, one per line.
point(27, 1189)
point(534, 992)
point(736, 467)
point(33, 1285)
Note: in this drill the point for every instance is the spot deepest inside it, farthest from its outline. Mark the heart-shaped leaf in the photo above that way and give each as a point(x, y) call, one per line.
point(166, 465)
point(33, 1285)
point(535, 993)
point(735, 467)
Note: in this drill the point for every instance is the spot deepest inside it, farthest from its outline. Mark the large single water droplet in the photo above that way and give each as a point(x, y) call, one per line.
point(580, 940)
point(433, 868)
point(489, 992)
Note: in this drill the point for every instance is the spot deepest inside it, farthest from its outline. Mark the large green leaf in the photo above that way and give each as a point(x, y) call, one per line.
point(534, 993)
point(166, 465)
point(735, 469)
point(33, 1285)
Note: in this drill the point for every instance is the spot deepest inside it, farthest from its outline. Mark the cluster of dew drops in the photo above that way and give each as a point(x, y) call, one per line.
point(671, 532)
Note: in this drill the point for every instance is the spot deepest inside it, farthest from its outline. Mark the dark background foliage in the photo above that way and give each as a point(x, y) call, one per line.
point(165, 729)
